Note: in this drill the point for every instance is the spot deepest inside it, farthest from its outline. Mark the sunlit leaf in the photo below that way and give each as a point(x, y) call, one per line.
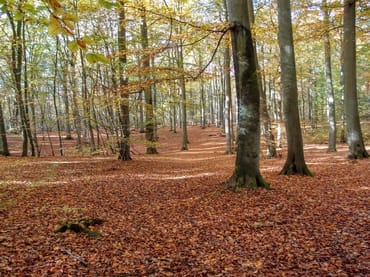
point(88, 40)
point(107, 4)
point(18, 16)
point(81, 44)
point(96, 57)
point(73, 46)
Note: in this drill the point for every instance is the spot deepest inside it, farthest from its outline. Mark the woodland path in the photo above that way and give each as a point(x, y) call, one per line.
point(166, 214)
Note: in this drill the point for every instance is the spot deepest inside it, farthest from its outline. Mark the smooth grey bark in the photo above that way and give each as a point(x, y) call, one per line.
point(202, 106)
point(228, 103)
point(124, 110)
point(228, 97)
point(141, 112)
point(16, 69)
point(26, 92)
point(149, 111)
point(67, 107)
point(202, 102)
point(75, 108)
point(355, 142)
point(295, 163)
point(266, 122)
point(329, 81)
point(246, 172)
point(4, 149)
point(180, 65)
point(61, 148)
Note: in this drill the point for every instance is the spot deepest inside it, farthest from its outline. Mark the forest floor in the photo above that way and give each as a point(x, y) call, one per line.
point(167, 214)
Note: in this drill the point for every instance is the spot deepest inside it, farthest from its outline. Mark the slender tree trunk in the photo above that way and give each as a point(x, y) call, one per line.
point(295, 162)
point(329, 82)
point(66, 100)
point(141, 112)
point(228, 103)
point(246, 173)
point(86, 104)
point(266, 122)
point(155, 116)
point(75, 108)
point(174, 112)
point(148, 94)
point(124, 113)
point(355, 141)
point(180, 64)
point(4, 149)
point(61, 150)
point(228, 97)
point(26, 89)
point(202, 106)
point(16, 67)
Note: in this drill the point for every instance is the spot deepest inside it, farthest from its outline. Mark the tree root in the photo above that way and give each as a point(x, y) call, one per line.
point(246, 182)
point(80, 226)
point(292, 169)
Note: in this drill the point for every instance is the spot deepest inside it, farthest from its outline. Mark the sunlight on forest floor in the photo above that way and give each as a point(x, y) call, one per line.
point(168, 214)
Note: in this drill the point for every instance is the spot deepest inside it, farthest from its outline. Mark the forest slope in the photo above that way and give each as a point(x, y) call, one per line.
point(166, 214)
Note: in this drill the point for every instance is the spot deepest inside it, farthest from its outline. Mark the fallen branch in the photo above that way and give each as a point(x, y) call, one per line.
point(78, 258)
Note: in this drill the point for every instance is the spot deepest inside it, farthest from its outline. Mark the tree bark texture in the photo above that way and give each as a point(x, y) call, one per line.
point(149, 111)
point(329, 82)
point(246, 173)
point(4, 149)
point(355, 142)
point(124, 111)
point(295, 163)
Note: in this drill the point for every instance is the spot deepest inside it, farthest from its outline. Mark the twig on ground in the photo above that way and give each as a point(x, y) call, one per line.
point(78, 258)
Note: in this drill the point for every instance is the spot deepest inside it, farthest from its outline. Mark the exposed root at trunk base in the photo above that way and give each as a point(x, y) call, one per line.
point(236, 183)
point(151, 150)
point(293, 168)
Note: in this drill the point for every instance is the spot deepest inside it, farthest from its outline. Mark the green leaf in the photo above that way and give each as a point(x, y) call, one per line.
point(18, 16)
point(73, 46)
point(54, 29)
point(88, 40)
point(96, 57)
point(29, 8)
point(107, 4)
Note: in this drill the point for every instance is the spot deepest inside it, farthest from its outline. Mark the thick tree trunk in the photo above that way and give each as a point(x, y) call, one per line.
point(295, 162)
point(246, 173)
point(354, 134)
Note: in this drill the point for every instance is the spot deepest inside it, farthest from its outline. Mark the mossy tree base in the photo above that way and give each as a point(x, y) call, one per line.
point(357, 151)
point(151, 150)
point(124, 152)
point(80, 226)
point(236, 183)
point(291, 168)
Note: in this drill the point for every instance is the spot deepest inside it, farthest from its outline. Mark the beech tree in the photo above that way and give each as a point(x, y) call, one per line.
point(295, 162)
point(246, 173)
point(329, 81)
point(4, 150)
point(124, 111)
point(149, 111)
point(354, 134)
